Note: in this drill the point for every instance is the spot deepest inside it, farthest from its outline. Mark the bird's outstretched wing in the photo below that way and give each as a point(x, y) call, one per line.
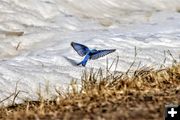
point(82, 50)
point(101, 53)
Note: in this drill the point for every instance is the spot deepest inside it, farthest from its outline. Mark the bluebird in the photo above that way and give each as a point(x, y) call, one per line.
point(93, 54)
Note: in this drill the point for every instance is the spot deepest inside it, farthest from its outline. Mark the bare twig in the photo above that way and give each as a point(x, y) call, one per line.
point(18, 45)
point(15, 93)
point(116, 63)
point(164, 61)
point(15, 96)
point(58, 92)
point(174, 60)
point(137, 69)
point(7, 98)
point(135, 54)
point(112, 64)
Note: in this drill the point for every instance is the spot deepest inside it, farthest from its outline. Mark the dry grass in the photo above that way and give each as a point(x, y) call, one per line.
point(13, 33)
point(139, 96)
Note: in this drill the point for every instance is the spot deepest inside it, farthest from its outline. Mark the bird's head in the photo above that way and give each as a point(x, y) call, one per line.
point(93, 50)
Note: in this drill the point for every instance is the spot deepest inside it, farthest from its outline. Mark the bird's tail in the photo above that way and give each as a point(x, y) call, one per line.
point(79, 63)
point(83, 63)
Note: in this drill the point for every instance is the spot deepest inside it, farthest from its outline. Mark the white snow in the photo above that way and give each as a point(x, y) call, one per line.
point(44, 56)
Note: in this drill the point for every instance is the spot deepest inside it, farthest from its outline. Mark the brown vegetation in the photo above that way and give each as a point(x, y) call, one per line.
point(13, 33)
point(118, 96)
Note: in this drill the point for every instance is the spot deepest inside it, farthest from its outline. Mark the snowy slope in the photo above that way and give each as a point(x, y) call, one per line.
point(35, 37)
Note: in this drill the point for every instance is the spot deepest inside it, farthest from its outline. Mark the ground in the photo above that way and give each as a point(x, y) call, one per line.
point(118, 96)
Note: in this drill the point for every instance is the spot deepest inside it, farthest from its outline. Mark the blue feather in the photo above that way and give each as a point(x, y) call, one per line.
point(100, 53)
point(82, 50)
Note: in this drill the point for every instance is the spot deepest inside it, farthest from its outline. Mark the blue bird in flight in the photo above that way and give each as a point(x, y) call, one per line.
point(93, 54)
